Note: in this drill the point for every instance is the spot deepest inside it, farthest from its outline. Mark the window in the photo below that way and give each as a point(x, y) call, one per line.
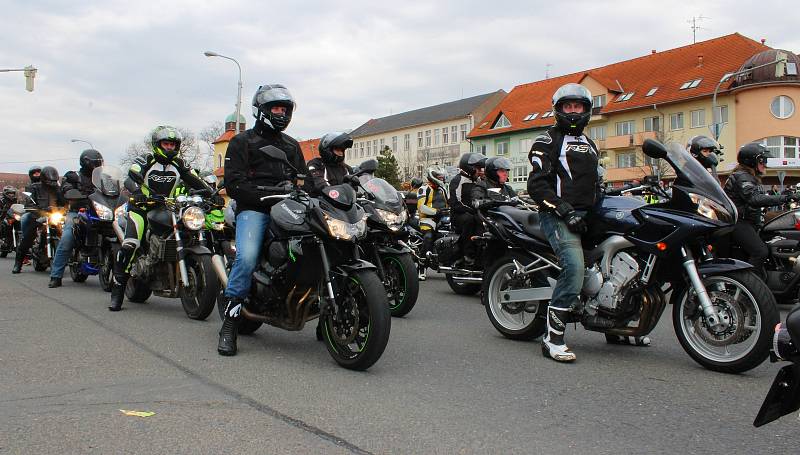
point(369, 148)
point(547, 114)
point(530, 117)
point(219, 160)
point(626, 159)
point(597, 133)
point(782, 146)
point(652, 91)
point(361, 151)
point(676, 121)
point(519, 174)
point(628, 96)
point(782, 107)
point(463, 132)
point(375, 146)
point(525, 146)
point(501, 147)
point(427, 138)
point(419, 139)
point(598, 101)
point(383, 146)
point(444, 135)
point(698, 118)
point(690, 84)
point(502, 122)
point(620, 97)
point(652, 124)
point(394, 143)
point(625, 128)
point(722, 114)
point(406, 142)
point(791, 69)
point(436, 136)
point(480, 149)
point(453, 134)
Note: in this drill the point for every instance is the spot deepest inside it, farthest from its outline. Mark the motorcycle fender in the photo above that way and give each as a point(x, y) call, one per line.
point(356, 265)
point(717, 266)
point(383, 249)
point(197, 250)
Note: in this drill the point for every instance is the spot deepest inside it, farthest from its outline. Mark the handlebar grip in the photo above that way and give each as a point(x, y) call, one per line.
point(277, 189)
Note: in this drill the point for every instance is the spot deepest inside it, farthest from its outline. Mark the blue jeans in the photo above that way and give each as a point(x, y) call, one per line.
point(25, 222)
point(65, 246)
point(251, 227)
point(567, 246)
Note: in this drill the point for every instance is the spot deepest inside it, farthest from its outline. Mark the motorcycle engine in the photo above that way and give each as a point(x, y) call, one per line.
point(447, 249)
point(624, 269)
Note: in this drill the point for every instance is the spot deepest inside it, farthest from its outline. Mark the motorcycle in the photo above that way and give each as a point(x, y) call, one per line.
point(384, 243)
point(721, 310)
point(97, 237)
point(10, 232)
point(310, 268)
point(783, 396)
point(172, 260)
point(48, 232)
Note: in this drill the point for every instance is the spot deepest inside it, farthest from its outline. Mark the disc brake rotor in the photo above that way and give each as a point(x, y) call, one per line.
point(732, 319)
point(345, 322)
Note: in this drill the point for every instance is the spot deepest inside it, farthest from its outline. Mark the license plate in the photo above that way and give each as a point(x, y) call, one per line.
point(783, 397)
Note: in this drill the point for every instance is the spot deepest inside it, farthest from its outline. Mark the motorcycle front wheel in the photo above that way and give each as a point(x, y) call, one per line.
point(402, 283)
point(39, 257)
point(199, 295)
point(356, 329)
point(106, 274)
point(747, 311)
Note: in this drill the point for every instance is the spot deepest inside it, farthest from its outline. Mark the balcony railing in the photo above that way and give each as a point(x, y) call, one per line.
point(628, 140)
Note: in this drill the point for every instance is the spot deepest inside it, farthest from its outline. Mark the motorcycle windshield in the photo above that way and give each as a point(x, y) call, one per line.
point(382, 191)
point(693, 177)
point(107, 180)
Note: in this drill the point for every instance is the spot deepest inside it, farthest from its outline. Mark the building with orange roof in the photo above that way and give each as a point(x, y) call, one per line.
point(667, 96)
point(221, 143)
point(310, 149)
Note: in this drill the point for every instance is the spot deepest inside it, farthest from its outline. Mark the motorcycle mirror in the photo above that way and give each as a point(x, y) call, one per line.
point(368, 167)
point(74, 194)
point(130, 185)
point(654, 149)
point(275, 153)
point(18, 209)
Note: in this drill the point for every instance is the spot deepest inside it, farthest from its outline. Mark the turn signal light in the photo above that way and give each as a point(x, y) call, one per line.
point(661, 246)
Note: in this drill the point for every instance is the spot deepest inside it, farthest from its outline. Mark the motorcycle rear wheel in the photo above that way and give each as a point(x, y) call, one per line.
point(75, 273)
point(462, 288)
point(511, 319)
point(356, 330)
point(137, 291)
point(748, 309)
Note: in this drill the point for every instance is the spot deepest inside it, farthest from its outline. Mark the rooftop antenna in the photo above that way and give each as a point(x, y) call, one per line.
point(694, 20)
point(547, 70)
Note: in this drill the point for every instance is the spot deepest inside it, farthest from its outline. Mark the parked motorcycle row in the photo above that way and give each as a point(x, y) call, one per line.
point(350, 258)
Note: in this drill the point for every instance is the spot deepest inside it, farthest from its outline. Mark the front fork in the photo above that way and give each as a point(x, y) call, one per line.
point(181, 252)
point(330, 298)
point(712, 316)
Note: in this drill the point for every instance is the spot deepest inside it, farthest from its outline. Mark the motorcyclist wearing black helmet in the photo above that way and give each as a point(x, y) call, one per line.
point(464, 219)
point(495, 187)
point(34, 174)
point(9, 197)
point(329, 168)
point(565, 184)
point(163, 173)
point(744, 188)
point(247, 169)
point(705, 150)
point(81, 181)
point(45, 195)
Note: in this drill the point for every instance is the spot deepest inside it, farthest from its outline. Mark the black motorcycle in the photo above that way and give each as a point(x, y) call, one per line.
point(384, 243)
point(10, 233)
point(97, 238)
point(721, 311)
point(172, 260)
point(49, 225)
point(784, 395)
point(310, 268)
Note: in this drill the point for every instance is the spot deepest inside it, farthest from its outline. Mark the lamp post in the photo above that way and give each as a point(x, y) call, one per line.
point(81, 140)
point(716, 127)
point(239, 92)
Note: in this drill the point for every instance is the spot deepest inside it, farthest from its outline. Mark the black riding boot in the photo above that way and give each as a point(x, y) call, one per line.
point(228, 332)
point(117, 292)
point(18, 263)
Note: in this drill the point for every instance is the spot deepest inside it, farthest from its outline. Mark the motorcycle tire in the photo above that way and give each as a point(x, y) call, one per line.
point(510, 318)
point(360, 296)
point(248, 327)
point(76, 275)
point(199, 297)
point(748, 324)
point(401, 273)
point(462, 288)
point(106, 275)
point(3, 254)
point(136, 291)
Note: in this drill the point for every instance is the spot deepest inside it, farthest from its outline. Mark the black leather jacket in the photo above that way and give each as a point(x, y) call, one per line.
point(745, 191)
point(45, 196)
point(461, 194)
point(81, 181)
point(321, 174)
point(481, 193)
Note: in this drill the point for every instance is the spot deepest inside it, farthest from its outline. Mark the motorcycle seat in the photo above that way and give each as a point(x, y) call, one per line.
point(528, 219)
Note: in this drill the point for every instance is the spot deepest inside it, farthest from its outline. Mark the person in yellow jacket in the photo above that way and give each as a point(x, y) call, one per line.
point(434, 199)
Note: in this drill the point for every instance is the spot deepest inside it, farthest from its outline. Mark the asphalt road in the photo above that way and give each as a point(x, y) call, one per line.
point(447, 383)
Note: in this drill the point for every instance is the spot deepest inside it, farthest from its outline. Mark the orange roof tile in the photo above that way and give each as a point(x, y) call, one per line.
point(667, 70)
point(225, 137)
point(309, 148)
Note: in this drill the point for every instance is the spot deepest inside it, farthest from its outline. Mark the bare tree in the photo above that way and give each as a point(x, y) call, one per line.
point(209, 134)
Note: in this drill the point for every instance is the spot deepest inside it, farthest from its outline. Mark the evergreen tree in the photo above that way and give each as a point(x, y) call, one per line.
point(388, 169)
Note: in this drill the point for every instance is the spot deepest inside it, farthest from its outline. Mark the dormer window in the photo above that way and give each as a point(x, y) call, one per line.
point(691, 84)
point(501, 122)
point(652, 91)
point(625, 97)
point(530, 117)
point(547, 114)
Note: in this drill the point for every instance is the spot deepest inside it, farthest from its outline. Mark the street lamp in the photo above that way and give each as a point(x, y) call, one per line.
point(716, 127)
point(81, 140)
point(239, 92)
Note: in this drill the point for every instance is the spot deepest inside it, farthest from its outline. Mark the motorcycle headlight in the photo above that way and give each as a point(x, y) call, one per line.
point(56, 218)
point(710, 209)
point(103, 212)
point(194, 218)
point(343, 230)
point(217, 226)
point(395, 221)
point(17, 216)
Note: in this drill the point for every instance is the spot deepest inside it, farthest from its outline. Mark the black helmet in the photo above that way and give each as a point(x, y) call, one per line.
point(165, 133)
point(90, 159)
point(271, 95)
point(572, 123)
point(436, 176)
point(751, 154)
point(332, 141)
point(49, 176)
point(33, 170)
point(416, 182)
point(493, 165)
point(9, 192)
point(469, 162)
point(699, 143)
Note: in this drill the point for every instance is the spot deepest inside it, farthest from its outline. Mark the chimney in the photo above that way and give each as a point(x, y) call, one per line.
point(653, 51)
point(763, 41)
point(700, 60)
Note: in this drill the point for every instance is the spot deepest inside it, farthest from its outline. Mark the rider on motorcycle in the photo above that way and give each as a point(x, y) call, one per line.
point(35, 175)
point(436, 199)
point(329, 168)
point(464, 219)
point(45, 194)
point(497, 169)
point(81, 181)
point(565, 184)
point(8, 199)
point(162, 172)
point(744, 189)
point(704, 150)
point(246, 170)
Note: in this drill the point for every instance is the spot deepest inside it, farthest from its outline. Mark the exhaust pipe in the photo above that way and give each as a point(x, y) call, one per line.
point(219, 267)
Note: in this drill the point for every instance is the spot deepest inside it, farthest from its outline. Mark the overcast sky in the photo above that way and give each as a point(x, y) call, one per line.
point(110, 71)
